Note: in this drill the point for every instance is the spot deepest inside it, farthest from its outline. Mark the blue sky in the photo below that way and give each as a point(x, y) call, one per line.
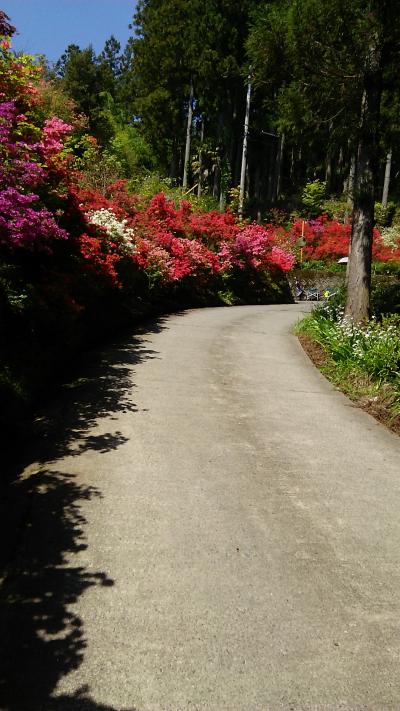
point(49, 26)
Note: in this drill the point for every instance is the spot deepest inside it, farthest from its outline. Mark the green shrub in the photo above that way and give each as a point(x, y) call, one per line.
point(152, 183)
point(321, 266)
point(337, 208)
point(385, 299)
point(389, 268)
point(373, 348)
point(313, 196)
point(384, 215)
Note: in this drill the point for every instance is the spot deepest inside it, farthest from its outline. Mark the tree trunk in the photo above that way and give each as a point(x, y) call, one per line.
point(216, 179)
point(233, 139)
point(238, 162)
point(348, 189)
point(244, 150)
point(351, 180)
point(223, 182)
point(328, 173)
point(276, 167)
point(271, 174)
point(279, 166)
point(328, 164)
point(340, 167)
point(257, 191)
point(188, 138)
point(292, 166)
point(359, 275)
point(199, 186)
point(385, 194)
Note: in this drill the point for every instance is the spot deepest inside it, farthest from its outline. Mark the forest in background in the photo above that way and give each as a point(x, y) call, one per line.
point(306, 62)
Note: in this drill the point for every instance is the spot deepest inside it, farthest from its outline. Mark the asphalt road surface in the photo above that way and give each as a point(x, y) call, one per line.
point(207, 526)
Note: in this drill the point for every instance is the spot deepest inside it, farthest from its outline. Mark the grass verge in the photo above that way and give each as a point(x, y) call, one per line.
point(381, 399)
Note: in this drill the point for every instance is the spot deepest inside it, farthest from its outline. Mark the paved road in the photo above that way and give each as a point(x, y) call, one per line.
point(209, 526)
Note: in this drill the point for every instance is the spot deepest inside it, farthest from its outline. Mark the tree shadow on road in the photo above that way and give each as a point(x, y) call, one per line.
point(41, 637)
point(103, 389)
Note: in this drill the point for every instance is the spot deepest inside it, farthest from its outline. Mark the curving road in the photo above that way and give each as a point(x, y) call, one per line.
point(208, 526)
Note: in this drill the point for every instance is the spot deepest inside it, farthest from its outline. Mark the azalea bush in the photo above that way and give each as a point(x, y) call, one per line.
point(32, 162)
point(81, 255)
point(171, 243)
point(328, 240)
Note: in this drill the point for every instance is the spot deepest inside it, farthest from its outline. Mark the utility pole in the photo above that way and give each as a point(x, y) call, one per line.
point(188, 137)
point(244, 151)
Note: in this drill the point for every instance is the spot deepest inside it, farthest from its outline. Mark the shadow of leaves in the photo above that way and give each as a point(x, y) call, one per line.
point(42, 636)
point(103, 392)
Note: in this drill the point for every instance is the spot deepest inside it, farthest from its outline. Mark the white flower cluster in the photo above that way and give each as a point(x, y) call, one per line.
point(372, 348)
point(376, 344)
point(116, 229)
point(390, 235)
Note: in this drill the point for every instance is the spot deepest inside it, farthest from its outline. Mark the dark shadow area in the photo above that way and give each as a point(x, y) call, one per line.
point(42, 524)
point(80, 701)
point(98, 384)
point(41, 638)
point(103, 387)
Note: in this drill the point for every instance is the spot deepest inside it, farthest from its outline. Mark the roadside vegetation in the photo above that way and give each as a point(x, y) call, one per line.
point(362, 360)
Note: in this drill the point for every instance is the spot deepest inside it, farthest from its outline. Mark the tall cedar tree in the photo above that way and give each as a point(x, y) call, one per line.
point(179, 42)
point(337, 55)
point(86, 78)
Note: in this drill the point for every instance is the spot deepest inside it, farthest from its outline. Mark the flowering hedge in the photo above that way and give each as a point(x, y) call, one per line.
point(171, 243)
point(168, 243)
point(75, 262)
point(328, 240)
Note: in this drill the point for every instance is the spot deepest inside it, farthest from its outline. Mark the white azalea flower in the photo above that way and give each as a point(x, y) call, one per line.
point(115, 228)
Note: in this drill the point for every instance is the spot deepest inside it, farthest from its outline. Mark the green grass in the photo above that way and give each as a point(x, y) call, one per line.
point(362, 361)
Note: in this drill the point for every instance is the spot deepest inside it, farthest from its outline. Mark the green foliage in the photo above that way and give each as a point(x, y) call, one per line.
point(204, 203)
point(150, 184)
point(385, 299)
point(14, 292)
point(337, 208)
point(392, 268)
point(313, 196)
point(55, 101)
point(97, 86)
point(255, 287)
point(227, 297)
point(131, 150)
point(98, 168)
point(321, 266)
point(179, 42)
point(125, 143)
point(234, 198)
point(83, 78)
point(384, 215)
point(373, 349)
